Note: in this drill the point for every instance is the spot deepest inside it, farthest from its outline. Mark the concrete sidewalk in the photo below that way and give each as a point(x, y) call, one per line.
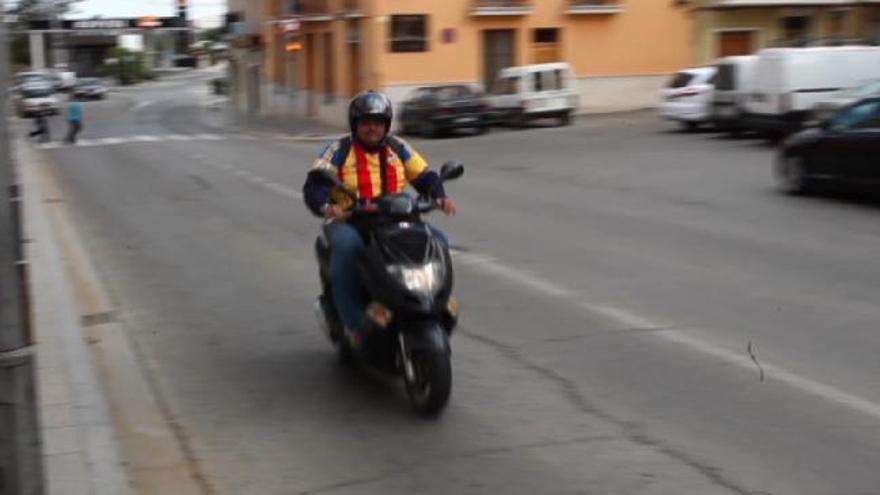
point(104, 430)
point(81, 455)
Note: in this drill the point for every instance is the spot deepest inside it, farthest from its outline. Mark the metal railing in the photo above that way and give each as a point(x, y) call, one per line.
point(501, 7)
point(311, 8)
point(351, 6)
point(806, 42)
point(594, 6)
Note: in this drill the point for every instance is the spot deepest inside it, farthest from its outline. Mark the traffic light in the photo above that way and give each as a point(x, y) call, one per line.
point(182, 8)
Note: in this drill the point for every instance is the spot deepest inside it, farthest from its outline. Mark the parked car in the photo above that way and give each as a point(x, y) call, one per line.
point(826, 109)
point(529, 92)
point(436, 109)
point(789, 82)
point(90, 88)
point(843, 149)
point(35, 98)
point(687, 99)
point(733, 83)
point(23, 78)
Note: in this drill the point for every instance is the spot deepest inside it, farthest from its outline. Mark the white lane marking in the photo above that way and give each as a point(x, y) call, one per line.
point(110, 140)
point(178, 137)
point(143, 139)
point(489, 264)
point(630, 320)
point(141, 105)
point(209, 137)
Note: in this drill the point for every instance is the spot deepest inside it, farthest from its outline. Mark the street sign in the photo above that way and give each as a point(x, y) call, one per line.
point(291, 26)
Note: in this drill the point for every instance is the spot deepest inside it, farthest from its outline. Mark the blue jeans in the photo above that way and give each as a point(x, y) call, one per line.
point(349, 293)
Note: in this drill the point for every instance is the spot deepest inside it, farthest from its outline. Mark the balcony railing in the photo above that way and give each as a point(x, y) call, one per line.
point(312, 10)
point(352, 8)
point(594, 7)
point(501, 7)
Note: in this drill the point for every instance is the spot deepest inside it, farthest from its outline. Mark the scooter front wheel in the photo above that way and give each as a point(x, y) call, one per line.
point(430, 383)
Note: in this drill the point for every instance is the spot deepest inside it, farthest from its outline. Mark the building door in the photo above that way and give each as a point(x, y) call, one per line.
point(329, 68)
point(732, 43)
point(355, 64)
point(498, 53)
point(254, 87)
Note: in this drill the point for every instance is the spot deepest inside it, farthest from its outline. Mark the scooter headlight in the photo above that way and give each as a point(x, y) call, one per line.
point(426, 278)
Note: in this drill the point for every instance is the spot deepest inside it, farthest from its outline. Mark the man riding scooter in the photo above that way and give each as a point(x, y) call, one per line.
point(371, 163)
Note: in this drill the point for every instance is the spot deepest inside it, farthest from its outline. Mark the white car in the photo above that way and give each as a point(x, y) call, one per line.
point(688, 97)
point(35, 99)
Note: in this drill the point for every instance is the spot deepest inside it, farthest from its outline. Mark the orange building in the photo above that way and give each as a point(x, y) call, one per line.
point(317, 53)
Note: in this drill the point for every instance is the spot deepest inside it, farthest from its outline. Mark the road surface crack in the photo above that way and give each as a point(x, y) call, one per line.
point(630, 430)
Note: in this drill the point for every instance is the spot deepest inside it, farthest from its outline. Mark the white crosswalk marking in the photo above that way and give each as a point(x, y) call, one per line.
point(160, 138)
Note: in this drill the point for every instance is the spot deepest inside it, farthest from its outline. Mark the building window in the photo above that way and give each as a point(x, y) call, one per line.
point(409, 33)
point(797, 30)
point(546, 35)
point(545, 45)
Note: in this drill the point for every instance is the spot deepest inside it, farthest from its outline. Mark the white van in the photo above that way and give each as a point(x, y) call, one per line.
point(530, 92)
point(733, 86)
point(789, 82)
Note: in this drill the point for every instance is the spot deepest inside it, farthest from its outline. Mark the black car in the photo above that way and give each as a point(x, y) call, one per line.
point(90, 88)
point(436, 109)
point(843, 149)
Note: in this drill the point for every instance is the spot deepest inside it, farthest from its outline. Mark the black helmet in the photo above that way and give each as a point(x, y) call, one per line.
point(370, 104)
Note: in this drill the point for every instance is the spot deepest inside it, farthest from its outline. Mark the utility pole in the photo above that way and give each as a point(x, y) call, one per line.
point(183, 40)
point(21, 469)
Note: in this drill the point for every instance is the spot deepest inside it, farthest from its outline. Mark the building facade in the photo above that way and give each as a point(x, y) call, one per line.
point(317, 53)
point(740, 27)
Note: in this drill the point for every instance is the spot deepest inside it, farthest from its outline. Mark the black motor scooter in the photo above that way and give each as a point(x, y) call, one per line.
point(408, 275)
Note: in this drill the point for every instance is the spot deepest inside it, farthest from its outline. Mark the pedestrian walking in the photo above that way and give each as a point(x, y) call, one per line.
point(41, 128)
point(74, 118)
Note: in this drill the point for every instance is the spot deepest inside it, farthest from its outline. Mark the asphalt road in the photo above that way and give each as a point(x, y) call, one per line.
point(622, 287)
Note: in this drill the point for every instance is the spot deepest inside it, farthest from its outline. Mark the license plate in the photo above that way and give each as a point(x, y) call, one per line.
point(465, 120)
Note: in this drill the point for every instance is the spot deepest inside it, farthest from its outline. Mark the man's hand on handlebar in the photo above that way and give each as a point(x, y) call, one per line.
point(447, 206)
point(334, 212)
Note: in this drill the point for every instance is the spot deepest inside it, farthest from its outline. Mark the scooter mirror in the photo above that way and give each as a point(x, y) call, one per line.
point(451, 170)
